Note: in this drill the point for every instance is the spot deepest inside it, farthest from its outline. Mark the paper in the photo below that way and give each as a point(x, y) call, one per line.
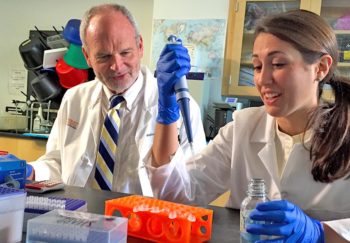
point(17, 81)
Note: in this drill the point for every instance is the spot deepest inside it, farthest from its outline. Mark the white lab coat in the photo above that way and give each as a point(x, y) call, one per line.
point(73, 141)
point(245, 149)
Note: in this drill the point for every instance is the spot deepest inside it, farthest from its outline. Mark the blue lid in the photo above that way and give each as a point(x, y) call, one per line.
point(8, 157)
point(70, 204)
point(71, 32)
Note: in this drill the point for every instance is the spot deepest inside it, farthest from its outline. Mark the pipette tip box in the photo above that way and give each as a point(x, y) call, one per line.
point(12, 203)
point(37, 205)
point(66, 226)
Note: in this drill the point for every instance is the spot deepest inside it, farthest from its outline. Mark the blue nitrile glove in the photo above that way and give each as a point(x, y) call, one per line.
point(173, 63)
point(29, 170)
point(287, 220)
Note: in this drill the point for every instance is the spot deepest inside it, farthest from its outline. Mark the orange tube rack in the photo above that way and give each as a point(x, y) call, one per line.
point(162, 221)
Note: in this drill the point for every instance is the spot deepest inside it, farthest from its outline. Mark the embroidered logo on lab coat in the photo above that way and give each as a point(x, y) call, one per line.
point(71, 123)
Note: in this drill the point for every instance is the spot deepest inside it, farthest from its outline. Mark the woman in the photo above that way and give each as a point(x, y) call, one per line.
point(297, 143)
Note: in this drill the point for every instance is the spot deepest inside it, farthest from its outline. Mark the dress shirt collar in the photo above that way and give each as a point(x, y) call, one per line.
point(130, 94)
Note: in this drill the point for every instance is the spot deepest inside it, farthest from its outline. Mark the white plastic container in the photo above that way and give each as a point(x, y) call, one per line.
point(12, 122)
point(66, 226)
point(12, 203)
point(37, 205)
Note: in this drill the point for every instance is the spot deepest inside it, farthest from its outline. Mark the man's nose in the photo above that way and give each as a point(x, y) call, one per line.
point(116, 62)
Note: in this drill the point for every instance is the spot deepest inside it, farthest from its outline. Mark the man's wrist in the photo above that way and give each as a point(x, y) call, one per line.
point(167, 115)
point(30, 172)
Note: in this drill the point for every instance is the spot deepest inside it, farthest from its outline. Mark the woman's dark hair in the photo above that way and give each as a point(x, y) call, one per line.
point(330, 121)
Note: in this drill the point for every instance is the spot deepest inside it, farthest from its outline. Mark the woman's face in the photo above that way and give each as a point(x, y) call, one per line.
point(287, 84)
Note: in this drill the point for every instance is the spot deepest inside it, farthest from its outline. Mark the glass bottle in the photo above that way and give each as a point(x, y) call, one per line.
point(256, 193)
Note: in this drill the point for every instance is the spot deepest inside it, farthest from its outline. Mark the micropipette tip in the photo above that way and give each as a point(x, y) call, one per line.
point(192, 149)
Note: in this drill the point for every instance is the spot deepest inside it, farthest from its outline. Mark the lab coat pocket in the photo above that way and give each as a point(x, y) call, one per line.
point(82, 170)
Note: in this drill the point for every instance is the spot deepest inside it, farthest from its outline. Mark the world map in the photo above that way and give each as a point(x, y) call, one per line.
point(204, 39)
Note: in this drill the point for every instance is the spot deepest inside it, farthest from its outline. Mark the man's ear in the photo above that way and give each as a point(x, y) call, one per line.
point(140, 45)
point(86, 56)
point(323, 66)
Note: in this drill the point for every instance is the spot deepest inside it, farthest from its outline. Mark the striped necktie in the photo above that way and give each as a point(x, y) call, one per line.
point(106, 159)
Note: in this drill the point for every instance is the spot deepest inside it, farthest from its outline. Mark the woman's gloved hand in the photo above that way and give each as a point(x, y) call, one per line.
point(287, 220)
point(174, 62)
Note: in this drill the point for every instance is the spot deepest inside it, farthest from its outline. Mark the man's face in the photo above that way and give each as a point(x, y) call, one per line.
point(113, 51)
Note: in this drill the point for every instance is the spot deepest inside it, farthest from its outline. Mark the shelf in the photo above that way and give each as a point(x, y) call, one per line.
point(246, 62)
point(342, 32)
point(249, 32)
point(343, 64)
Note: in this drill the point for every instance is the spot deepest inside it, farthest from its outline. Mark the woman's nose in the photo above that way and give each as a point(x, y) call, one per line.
point(264, 76)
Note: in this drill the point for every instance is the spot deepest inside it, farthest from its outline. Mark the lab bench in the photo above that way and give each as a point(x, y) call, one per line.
point(225, 227)
point(25, 147)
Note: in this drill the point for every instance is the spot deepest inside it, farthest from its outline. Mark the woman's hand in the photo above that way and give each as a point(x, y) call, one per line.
point(284, 219)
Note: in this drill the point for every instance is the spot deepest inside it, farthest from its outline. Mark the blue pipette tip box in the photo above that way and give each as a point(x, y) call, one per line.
point(66, 226)
point(12, 203)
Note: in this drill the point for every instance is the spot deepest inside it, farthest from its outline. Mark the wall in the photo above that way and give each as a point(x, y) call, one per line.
point(17, 17)
point(210, 90)
point(45, 14)
point(194, 9)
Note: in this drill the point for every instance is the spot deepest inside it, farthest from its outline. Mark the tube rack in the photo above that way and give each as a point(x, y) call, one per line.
point(162, 221)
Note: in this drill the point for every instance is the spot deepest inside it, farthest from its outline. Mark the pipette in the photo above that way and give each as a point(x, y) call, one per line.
point(183, 99)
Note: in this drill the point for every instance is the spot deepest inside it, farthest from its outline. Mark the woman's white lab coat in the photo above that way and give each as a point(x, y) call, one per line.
point(72, 145)
point(245, 149)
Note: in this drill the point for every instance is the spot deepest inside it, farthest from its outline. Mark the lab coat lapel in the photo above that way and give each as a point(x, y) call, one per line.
point(144, 144)
point(145, 129)
point(94, 118)
point(265, 133)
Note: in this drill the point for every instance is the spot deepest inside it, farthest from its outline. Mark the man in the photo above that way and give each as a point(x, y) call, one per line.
point(113, 47)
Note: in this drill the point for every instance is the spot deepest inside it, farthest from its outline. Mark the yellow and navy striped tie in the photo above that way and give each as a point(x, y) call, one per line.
point(105, 159)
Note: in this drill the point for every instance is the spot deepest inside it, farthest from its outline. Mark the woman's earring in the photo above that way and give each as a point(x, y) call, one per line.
point(318, 79)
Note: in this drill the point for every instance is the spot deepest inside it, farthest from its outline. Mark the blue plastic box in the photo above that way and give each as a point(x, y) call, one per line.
point(10, 165)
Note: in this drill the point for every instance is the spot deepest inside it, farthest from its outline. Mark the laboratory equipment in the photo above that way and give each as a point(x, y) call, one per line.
point(37, 205)
point(43, 186)
point(12, 203)
point(44, 122)
point(36, 124)
point(13, 122)
point(64, 226)
point(256, 193)
point(183, 98)
point(162, 221)
point(12, 168)
point(75, 57)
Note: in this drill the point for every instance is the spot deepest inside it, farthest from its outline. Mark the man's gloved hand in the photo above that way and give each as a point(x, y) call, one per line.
point(287, 220)
point(174, 62)
point(29, 170)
